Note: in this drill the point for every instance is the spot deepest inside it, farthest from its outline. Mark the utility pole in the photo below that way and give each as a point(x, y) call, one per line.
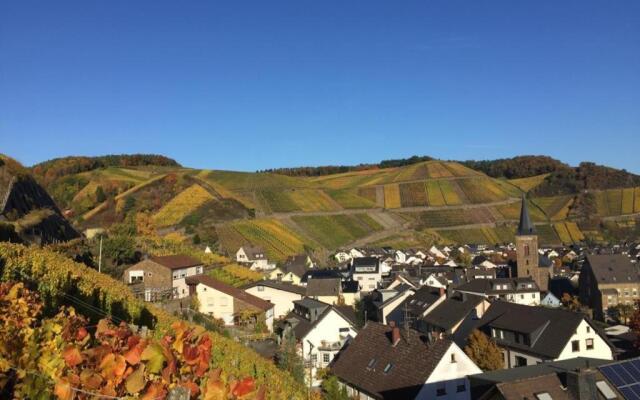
point(100, 256)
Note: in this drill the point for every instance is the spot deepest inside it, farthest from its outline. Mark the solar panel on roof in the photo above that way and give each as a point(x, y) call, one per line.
point(625, 375)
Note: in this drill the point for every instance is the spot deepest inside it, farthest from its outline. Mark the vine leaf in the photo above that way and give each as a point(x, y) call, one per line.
point(135, 382)
point(72, 356)
point(155, 357)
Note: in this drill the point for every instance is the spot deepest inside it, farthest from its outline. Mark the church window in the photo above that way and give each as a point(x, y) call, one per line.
point(526, 250)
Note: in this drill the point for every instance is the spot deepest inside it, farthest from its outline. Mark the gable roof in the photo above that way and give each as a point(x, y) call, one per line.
point(176, 261)
point(495, 286)
point(302, 326)
point(297, 265)
point(613, 268)
point(254, 252)
point(530, 387)
point(452, 310)
point(552, 327)
point(230, 290)
point(423, 298)
point(284, 286)
point(412, 361)
point(324, 287)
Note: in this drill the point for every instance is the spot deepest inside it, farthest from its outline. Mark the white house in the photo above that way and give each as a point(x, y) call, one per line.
point(320, 330)
point(400, 257)
point(254, 257)
point(342, 256)
point(227, 303)
point(366, 270)
point(280, 294)
point(550, 300)
point(530, 335)
point(385, 362)
point(437, 253)
point(516, 290)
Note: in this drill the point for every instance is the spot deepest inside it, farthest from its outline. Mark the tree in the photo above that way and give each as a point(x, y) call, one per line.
point(484, 352)
point(333, 390)
point(100, 196)
point(570, 302)
point(622, 313)
point(288, 359)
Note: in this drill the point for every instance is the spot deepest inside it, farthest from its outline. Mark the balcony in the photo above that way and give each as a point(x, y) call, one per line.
point(330, 346)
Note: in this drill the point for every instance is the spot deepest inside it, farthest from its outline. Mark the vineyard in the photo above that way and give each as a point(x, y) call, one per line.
point(527, 184)
point(452, 217)
point(182, 205)
point(392, 196)
point(568, 232)
point(310, 200)
point(434, 194)
point(511, 212)
point(350, 198)
point(277, 240)
point(502, 234)
point(555, 208)
point(334, 231)
point(413, 194)
point(482, 190)
point(235, 275)
point(61, 281)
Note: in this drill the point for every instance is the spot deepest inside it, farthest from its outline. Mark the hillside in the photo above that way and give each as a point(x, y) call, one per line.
point(408, 205)
point(27, 212)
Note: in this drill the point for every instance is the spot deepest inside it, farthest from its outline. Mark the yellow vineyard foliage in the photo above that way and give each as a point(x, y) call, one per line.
point(182, 205)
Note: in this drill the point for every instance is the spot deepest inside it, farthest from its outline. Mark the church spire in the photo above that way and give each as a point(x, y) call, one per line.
point(526, 226)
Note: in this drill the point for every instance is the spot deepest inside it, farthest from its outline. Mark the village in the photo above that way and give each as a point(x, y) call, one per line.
point(448, 322)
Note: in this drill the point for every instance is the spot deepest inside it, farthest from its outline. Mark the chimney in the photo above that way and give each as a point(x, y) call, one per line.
point(442, 291)
point(395, 336)
point(392, 324)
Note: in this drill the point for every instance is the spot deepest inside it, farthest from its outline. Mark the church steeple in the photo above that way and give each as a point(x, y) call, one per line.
point(525, 227)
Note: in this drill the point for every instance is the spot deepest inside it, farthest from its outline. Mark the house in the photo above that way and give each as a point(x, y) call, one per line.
point(385, 362)
point(608, 280)
point(515, 290)
point(456, 315)
point(416, 305)
point(158, 277)
point(436, 280)
point(254, 257)
point(228, 303)
point(320, 330)
point(281, 294)
point(350, 292)
point(386, 301)
point(293, 269)
point(326, 290)
point(550, 300)
point(366, 270)
point(342, 256)
point(573, 379)
point(528, 335)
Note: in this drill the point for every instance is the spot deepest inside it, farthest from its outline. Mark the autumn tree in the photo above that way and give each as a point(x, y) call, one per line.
point(288, 359)
point(484, 352)
point(622, 313)
point(332, 389)
point(570, 302)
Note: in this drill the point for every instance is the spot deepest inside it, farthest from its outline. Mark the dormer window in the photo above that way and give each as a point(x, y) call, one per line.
point(371, 364)
point(388, 368)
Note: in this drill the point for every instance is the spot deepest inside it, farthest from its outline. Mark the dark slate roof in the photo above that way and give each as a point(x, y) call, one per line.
point(324, 287)
point(320, 274)
point(365, 262)
point(254, 252)
point(421, 300)
point(350, 286)
point(413, 360)
point(552, 327)
point(348, 313)
point(529, 387)
point(613, 268)
point(525, 227)
point(297, 265)
point(284, 286)
point(177, 261)
point(236, 293)
point(452, 310)
point(302, 325)
point(490, 286)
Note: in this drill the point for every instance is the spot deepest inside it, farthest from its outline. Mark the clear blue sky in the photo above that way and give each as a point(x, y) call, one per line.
point(248, 85)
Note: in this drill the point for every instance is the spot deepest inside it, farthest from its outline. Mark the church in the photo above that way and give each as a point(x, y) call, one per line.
point(528, 258)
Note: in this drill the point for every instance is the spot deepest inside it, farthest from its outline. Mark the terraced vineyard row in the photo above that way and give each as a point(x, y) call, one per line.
point(512, 212)
point(568, 232)
point(452, 217)
point(276, 239)
point(556, 208)
point(186, 202)
point(526, 184)
point(334, 231)
point(618, 201)
point(351, 198)
point(503, 234)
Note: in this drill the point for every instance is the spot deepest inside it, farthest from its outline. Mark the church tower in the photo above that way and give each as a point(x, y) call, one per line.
point(527, 250)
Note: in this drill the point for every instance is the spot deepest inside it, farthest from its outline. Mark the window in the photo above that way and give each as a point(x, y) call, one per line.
point(605, 390)
point(461, 387)
point(453, 357)
point(260, 288)
point(543, 396)
point(526, 250)
point(533, 295)
point(588, 329)
point(314, 359)
point(441, 390)
point(371, 364)
point(342, 330)
point(575, 345)
point(589, 344)
point(148, 273)
point(521, 361)
point(522, 296)
point(387, 368)
point(326, 358)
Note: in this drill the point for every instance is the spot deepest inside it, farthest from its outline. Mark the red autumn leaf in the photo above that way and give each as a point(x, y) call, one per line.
point(133, 354)
point(194, 389)
point(155, 391)
point(90, 380)
point(191, 354)
point(81, 334)
point(245, 386)
point(72, 356)
point(63, 390)
point(113, 366)
point(169, 370)
point(104, 329)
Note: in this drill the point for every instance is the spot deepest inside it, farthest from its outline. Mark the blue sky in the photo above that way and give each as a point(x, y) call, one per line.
point(248, 85)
